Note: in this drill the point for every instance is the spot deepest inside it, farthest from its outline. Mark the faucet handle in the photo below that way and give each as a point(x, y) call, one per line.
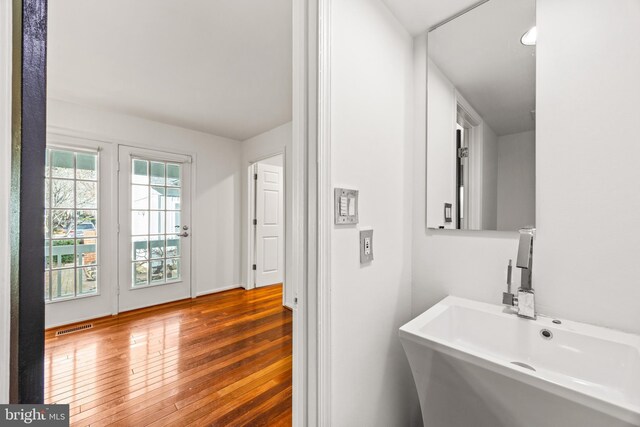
point(508, 297)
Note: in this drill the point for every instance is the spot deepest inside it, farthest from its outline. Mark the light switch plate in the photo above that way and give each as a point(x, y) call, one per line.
point(345, 206)
point(366, 246)
point(447, 212)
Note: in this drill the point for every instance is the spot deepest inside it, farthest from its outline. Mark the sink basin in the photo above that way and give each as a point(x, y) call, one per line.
point(505, 370)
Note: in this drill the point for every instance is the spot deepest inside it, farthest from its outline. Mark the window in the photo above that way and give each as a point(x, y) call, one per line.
point(71, 224)
point(155, 222)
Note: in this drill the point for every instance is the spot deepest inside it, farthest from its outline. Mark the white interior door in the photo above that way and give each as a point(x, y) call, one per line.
point(269, 248)
point(154, 219)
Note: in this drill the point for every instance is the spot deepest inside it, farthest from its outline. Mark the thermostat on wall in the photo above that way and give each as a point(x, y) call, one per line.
point(345, 206)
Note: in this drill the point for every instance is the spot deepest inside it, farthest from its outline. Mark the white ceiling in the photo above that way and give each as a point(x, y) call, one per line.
point(418, 16)
point(217, 66)
point(481, 54)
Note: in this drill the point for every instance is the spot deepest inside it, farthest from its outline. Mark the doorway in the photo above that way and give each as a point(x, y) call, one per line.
point(27, 348)
point(266, 216)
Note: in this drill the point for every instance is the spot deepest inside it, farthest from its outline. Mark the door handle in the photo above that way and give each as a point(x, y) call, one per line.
point(185, 234)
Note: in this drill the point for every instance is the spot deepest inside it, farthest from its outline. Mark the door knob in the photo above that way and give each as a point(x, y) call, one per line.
point(185, 234)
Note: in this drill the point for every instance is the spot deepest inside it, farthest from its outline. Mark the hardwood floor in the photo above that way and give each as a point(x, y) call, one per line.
point(221, 359)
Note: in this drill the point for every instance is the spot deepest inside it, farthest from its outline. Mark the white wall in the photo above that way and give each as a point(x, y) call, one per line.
point(371, 132)
point(489, 178)
point(5, 168)
point(586, 252)
point(277, 140)
point(216, 203)
point(516, 180)
point(587, 160)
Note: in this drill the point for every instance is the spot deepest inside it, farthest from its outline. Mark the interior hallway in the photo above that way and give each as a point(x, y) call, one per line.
point(221, 359)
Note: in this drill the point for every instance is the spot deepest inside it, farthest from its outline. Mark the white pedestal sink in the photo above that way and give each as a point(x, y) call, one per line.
point(477, 364)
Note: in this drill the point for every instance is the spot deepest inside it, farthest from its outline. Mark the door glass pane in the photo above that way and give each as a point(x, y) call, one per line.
point(87, 252)
point(157, 173)
point(173, 175)
point(140, 273)
point(62, 164)
point(87, 221)
point(63, 253)
point(173, 246)
point(62, 223)
point(87, 194)
point(140, 172)
point(157, 247)
point(139, 223)
point(140, 245)
point(86, 166)
point(87, 280)
point(173, 269)
point(173, 199)
point(62, 193)
point(139, 197)
point(157, 197)
point(173, 222)
point(63, 283)
point(157, 271)
point(155, 222)
point(71, 226)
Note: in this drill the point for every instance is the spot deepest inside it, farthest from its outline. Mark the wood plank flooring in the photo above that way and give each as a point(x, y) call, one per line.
point(221, 359)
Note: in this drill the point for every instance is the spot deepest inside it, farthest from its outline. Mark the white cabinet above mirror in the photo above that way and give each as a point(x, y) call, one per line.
point(481, 119)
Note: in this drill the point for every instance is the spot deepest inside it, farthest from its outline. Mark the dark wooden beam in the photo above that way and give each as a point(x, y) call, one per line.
point(27, 203)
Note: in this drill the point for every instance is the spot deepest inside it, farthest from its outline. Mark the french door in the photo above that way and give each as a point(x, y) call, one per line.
point(154, 228)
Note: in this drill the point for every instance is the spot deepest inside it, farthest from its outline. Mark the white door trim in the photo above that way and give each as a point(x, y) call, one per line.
point(305, 50)
point(300, 267)
point(251, 231)
point(325, 213)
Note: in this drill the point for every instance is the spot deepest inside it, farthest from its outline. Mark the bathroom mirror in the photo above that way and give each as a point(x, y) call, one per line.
point(481, 119)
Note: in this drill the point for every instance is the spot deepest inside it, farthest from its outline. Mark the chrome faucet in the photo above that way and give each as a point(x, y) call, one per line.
point(524, 302)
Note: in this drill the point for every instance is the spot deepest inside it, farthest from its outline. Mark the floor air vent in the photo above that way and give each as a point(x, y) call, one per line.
point(74, 329)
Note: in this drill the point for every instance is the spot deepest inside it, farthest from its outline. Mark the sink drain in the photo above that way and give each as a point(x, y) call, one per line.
point(546, 334)
point(524, 365)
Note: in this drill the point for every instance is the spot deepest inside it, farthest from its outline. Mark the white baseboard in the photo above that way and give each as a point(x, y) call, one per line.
point(215, 291)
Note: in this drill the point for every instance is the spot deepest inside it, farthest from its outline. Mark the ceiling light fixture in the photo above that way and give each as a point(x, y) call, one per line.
point(529, 38)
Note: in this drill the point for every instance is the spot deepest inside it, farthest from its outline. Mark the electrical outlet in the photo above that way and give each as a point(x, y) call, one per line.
point(366, 246)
